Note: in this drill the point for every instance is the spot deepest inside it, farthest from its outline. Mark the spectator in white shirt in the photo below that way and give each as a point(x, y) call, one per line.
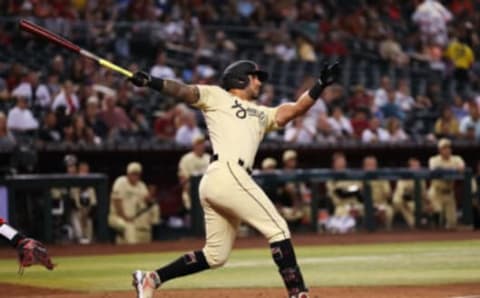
point(403, 99)
point(160, 69)
point(381, 94)
point(432, 17)
point(299, 132)
point(396, 132)
point(20, 118)
point(471, 123)
point(188, 130)
point(67, 98)
point(375, 134)
point(339, 123)
point(37, 94)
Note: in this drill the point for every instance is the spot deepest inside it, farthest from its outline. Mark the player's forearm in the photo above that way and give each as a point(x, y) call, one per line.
point(12, 235)
point(181, 91)
point(289, 111)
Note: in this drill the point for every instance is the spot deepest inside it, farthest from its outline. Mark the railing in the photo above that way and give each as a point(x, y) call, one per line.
point(316, 176)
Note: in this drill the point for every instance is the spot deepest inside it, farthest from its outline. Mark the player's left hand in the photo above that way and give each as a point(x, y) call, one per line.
point(33, 252)
point(329, 73)
point(140, 79)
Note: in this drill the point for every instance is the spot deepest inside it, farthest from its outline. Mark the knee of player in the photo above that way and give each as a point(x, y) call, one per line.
point(215, 259)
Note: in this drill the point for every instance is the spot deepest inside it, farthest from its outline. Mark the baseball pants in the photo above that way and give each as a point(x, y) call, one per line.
point(229, 195)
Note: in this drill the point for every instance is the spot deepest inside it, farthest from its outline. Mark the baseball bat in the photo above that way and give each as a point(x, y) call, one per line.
point(57, 39)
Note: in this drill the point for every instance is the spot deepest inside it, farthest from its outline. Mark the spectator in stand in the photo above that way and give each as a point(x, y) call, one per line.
point(340, 124)
point(360, 99)
point(395, 131)
point(462, 57)
point(333, 45)
point(305, 49)
point(375, 133)
point(325, 133)
point(114, 117)
point(49, 131)
point(402, 96)
point(164, 124)
point(140, 124)
point(187, 130)
point(58, 67)
point(472, 121)
point(67, 98)
point(4, 93)
point(92, 117)
point(36, 93)
point(267, 96)
point(299, 132)
point(7, 141)
point(432, 18)
point(161, 69)
point(459, 108)
point(391, 50)
point(391, 109)
point(381, 94)
point(447, 125)
point(20, 118)
point(359, 122)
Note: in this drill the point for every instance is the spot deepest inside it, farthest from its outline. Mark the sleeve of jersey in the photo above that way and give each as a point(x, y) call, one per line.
point(117, 189)
point(271, 114)
point(209, 96)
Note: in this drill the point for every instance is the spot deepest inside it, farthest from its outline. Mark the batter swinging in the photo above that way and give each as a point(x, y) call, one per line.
point(228, 194)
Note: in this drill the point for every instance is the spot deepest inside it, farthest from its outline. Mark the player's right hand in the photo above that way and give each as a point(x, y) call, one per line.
point(140, 79)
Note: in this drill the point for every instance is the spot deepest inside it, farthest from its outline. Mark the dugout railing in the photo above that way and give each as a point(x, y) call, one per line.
point(318, 176)
point(41, 185)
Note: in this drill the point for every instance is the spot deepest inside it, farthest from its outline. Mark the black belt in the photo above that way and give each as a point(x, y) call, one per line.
point(240, 163)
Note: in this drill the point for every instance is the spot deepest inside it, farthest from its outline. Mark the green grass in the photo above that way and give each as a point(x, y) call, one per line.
point(347, 265)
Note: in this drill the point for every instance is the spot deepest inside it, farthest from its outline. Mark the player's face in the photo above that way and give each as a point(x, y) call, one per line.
point(446, 151)
point(254, 86)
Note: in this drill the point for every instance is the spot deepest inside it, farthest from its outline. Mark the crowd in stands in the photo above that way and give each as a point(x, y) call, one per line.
point(67, 99)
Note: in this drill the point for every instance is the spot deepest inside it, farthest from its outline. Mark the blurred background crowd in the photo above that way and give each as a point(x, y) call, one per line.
point(409, 68)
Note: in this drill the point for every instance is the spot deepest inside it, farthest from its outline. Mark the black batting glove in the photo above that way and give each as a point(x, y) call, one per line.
point(329, 74)
point(140, 79)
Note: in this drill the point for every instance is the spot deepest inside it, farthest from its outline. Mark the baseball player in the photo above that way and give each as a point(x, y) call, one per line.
point(403, 197)
point(192, 163)
point(442, 192)
point(132, 211)
point(228, 194)
point(30, 251)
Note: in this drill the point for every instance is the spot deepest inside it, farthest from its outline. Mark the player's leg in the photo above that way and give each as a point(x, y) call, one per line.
point(220, 236)
point(450, 211)
point(249, 203)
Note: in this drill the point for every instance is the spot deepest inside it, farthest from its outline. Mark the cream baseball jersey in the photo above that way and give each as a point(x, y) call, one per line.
point(236, 126)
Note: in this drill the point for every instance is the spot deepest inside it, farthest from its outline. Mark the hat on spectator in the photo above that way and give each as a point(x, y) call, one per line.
point(134, 167)
point(269, 162)
point(289, 154)
point(199, 138)
point(444, 143)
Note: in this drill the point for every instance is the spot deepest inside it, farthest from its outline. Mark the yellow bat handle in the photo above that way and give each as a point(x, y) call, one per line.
point(115, 67)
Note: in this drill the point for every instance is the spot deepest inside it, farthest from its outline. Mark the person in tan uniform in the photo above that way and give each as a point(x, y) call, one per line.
point(442, 192)
point(404, 195)
point(132, 212)
point(294, 197)
point(344, 193)
point(84, 203)
point(193, 163)
point(228, 194)
point(381, 193)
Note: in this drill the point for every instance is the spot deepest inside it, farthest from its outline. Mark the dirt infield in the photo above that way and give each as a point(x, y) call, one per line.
point(446, 291)
point(436, 291)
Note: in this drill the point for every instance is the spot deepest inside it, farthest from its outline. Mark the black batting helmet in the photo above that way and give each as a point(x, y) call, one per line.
point(235, 76)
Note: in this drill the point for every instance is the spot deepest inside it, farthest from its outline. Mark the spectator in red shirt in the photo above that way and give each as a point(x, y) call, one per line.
point(334, 46)
point(360, 99)
point(359, 122)
point(114, 117)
